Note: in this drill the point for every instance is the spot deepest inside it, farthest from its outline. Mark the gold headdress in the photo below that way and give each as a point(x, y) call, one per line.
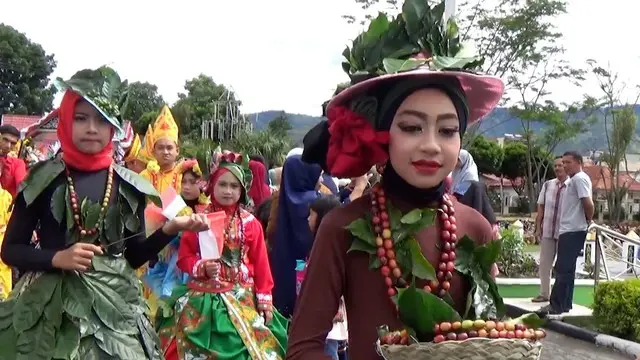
point(146, 151)
point(134, 149)
point(165, 126)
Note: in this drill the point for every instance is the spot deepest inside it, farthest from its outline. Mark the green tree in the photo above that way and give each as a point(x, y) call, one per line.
point(24, 74)
point(273, 148)
point(619, 121)
point(143, 99)
point(487, 155)
point(204, 100)
point(280, 125)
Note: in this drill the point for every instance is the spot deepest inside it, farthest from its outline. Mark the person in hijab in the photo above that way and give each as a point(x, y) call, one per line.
point(411, 120)
point(292, 238)
point(261, 160)
point(464, 174)
point(79, 284)
point(225, 311)
point(259, 191)
point(467, 188)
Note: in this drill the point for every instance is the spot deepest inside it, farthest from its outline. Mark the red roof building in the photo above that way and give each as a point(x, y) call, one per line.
point(19, 121)
point(601, 178)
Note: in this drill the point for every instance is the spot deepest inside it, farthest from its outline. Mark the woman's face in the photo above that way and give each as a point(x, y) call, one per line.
point(90, 132)
point(190, 189)
point(424, 138)
point(227, 190)
point(313, 218)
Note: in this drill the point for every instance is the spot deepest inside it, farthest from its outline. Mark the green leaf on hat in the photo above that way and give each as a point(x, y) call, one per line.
point(394, 66)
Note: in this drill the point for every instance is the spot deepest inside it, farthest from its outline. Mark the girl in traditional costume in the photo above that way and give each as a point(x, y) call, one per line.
point(225, 310)
point(79, 297)
point(404, 233)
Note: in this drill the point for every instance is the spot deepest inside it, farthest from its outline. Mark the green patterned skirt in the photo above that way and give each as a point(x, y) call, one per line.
point(224, 326)
point(98, 314)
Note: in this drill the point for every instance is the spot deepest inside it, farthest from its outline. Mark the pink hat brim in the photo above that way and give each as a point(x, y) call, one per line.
point(483, 92)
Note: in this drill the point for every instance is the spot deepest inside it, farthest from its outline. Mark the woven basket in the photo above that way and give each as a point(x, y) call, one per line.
point(470, 349)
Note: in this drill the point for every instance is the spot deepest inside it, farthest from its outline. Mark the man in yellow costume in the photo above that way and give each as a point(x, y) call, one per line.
point(163, 170)
point(5, 271)
point(131, 157)
point(160, 152)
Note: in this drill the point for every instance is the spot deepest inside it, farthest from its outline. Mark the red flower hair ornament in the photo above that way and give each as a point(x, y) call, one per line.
point(354, 146)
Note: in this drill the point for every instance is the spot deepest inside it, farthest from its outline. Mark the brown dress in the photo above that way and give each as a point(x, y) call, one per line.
point(333, 272)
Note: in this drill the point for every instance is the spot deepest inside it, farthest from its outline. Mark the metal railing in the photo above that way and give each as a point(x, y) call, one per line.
point(614, 237)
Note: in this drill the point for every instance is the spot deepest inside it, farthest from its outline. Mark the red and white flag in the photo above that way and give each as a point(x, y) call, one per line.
point(172, 203)
point(212, 241)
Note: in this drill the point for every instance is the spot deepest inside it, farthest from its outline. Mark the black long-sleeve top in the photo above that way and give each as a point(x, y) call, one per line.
point(18, 251)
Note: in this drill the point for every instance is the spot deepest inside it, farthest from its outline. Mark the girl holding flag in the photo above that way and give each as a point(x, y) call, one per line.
point(225, 311)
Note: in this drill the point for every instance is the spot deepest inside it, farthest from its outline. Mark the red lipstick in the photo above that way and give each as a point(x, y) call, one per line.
point(427, 167)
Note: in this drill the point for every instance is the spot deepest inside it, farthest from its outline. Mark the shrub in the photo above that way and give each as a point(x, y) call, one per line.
point(513, 261)
point(616, 308)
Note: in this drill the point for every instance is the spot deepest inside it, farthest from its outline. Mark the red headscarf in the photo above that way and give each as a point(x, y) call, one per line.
point(259, 191)
point(213, 179)
point(73, 157)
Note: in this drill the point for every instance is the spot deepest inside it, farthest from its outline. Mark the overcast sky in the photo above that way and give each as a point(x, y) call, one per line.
point(276, 54)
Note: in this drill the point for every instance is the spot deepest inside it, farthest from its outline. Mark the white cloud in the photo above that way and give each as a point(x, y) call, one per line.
point(278, 54)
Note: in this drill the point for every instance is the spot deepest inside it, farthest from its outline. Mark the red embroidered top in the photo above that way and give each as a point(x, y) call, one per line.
point(254, 268)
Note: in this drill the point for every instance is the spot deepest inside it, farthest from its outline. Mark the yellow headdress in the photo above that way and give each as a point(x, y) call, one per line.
point(165, 126)
point(146, 152)
point(134, 149)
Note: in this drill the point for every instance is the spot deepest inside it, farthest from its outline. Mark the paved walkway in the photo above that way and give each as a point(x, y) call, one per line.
point(559, 347)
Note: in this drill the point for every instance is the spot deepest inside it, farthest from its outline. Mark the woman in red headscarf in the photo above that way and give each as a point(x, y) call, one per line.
point(79, 285)
point(259, 191)
point(225, 310)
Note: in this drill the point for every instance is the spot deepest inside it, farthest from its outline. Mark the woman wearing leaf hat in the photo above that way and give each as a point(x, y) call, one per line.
point(79, 297)
point(403, 237)
point(225, 311)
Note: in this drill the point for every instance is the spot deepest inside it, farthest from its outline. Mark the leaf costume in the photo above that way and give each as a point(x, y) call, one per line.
point(99, 313)
point(202, 322)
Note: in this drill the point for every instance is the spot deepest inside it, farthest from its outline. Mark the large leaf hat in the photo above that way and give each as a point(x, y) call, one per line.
point(103, 89)
point(416, 44)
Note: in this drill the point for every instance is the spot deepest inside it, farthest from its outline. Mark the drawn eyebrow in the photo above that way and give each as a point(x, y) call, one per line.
point(423, 116)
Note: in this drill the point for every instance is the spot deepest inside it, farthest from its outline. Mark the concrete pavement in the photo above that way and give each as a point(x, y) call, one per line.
point(560, 347)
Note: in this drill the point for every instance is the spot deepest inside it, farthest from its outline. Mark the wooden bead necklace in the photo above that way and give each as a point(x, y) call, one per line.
point(76, 205)
point(390, 269)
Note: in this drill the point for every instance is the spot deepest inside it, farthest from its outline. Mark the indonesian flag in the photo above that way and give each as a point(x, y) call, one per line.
point(155, 217)
point(172, 203)
point(212, 241)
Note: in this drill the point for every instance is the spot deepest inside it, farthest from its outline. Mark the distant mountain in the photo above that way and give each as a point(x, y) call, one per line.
point(494, 125)
point(300, 123)
point(501, 122)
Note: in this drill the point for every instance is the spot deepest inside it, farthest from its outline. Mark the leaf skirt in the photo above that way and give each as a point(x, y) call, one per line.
point(224, 326)
point(98, 314)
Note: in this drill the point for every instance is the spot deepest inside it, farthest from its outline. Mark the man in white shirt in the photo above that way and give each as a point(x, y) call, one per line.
point(576, 215)
point(548, 224)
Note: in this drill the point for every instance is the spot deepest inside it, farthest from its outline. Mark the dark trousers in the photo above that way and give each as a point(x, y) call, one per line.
point(569, 246)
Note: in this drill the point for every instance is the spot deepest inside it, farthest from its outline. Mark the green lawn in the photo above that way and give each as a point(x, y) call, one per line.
point(531, 248)
point(582, 295)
